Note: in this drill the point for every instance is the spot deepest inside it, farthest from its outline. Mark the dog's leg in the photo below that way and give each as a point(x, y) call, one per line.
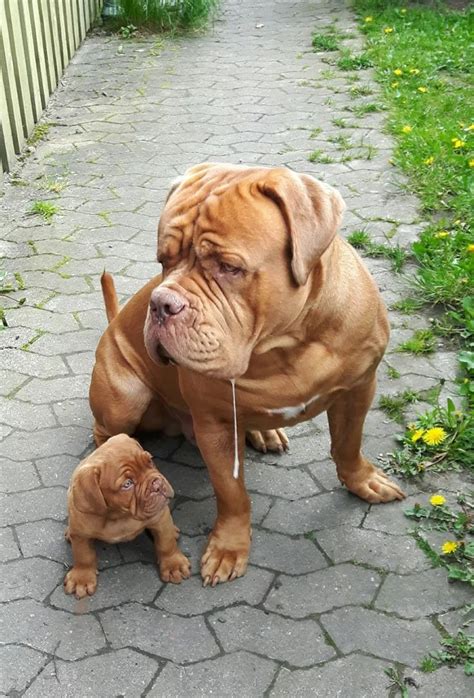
point(118, 403)
point(81, 579)
point(174, 566)
point(226, 554)
point(346, 418)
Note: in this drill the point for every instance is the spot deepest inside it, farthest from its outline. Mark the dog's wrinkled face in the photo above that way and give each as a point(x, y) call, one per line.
point(119, 479)
point(238, 247)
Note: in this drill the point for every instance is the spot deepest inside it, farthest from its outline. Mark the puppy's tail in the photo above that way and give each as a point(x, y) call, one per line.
point(109, 293)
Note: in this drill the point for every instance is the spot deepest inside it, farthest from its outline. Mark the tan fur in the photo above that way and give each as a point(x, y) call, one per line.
point(99, 508)
point(300, 325)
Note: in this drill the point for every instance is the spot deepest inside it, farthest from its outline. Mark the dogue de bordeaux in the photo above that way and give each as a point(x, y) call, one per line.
point(115, 493)
point(258, 292)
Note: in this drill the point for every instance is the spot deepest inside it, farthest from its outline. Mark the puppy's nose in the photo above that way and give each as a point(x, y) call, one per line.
point(165, 303)
point(160, 484)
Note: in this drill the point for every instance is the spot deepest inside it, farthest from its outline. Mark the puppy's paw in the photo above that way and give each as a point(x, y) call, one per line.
point(81, 582)
point(174, 568)
point(272, 440)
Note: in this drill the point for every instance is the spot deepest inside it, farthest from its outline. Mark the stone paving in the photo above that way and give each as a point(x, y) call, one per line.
point(336, 590)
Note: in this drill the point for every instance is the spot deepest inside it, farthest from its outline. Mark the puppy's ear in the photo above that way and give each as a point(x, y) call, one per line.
point(312, 211)
point(86, 493)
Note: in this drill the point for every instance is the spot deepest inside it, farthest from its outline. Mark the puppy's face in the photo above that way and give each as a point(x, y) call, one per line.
point(120, 479)
point(238, 246)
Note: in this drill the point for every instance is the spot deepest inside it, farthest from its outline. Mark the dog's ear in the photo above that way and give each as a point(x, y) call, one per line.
point(174, 185)
point(87, 496)
point(312, 211)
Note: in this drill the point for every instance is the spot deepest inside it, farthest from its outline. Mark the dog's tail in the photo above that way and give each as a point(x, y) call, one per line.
point(109, 293)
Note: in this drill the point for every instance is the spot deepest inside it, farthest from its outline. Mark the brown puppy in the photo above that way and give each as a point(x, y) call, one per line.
point(116, 493)
point(259, 289)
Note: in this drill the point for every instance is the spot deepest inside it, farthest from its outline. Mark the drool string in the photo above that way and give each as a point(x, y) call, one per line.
point(236, 441)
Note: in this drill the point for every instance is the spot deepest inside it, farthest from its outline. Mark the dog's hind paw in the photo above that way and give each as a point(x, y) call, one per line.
point(272, 440)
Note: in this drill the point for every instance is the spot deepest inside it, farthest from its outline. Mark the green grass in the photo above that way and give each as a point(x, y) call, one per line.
point(158, 15)
point(408, 305)
point(40, 132)
point(421, 342)
point(45, 209)
point(361, 240)
point(351, 61)
point(394, 405)
point(326, 41)
point(458, 649)
point(321, 157)
point(430, 46)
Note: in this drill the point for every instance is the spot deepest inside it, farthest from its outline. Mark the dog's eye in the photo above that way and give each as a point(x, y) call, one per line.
point(229, 269)
point(128, 484)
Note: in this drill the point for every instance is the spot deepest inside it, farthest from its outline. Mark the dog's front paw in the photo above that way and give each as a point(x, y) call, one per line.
point(272, 440)
point(223, 563)
point(375, 487)
point(174, 568)
point(81, 582)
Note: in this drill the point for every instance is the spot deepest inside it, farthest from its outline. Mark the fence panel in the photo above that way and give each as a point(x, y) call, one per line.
point(38, 38)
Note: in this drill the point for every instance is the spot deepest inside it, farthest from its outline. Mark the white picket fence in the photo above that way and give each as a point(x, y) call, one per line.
point(37, 40)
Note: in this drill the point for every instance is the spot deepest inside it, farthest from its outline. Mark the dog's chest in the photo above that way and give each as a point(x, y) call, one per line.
point(119, 531)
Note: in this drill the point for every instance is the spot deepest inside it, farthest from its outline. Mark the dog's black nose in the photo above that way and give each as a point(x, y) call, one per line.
point(165, 303)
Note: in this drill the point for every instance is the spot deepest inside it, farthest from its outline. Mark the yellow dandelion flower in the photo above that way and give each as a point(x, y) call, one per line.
point(403, 11)
point(470, 247)
point(441, 234)
point(429, 161)
point(437, 500)
point(471, 163)
point(394, 84)
point(422, 89)
point(407, 129)
point(388, 30)
point(458, 221)
point(368, 19)
point(414, 71)
point(470, 127)
point(450, 546)
point(398, 71)
point(434, 436)
point(458, 143)
point(417, 435)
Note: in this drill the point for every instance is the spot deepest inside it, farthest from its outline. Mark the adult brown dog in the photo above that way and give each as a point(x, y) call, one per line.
point(115, 494)
point(257, 287)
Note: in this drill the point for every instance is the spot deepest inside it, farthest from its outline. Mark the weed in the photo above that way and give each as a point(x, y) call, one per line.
point(53, 184)
point(361, 240)
point(19, 280)
point(350, 61)
point(32, 246)
point(459, 649)
point(340, 123)
point(342, 142)
point(315, 132)
point(392, 372)
point(395, 405)
point(456, 555)
point(408, 305)
point(397, 681)
point(105, 215)
point(328, 74)
point(38, 333)
point(360, 91)
point(325, 42)
point(421, 342)
point(438, 440)
point(367, 108)
point(164, 15)
point(40, 132)
point(45, 209)
point(128, 32)
point(321, 157)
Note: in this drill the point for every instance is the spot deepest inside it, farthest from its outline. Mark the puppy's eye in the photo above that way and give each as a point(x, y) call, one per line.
point(128, 484)
point(229, 269)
